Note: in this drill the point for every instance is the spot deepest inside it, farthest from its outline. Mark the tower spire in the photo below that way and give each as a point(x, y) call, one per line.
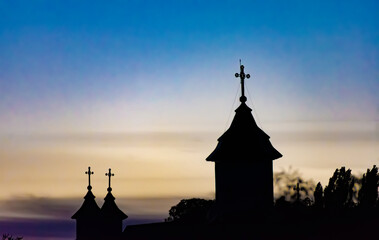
point(242, 76)
point(89, 178)
point(109, 174)
point(111, 215)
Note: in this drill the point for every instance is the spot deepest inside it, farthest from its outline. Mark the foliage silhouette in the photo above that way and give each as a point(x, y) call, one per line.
point(340, 190)
point(291, 187)
point(368, 194)
point(281, 202)
point(344, 190)
point(7, 236)
point(192, 210)
point(318, 196)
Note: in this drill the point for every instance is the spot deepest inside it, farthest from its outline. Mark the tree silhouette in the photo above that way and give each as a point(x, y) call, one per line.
point(190, 210)
point(318, 195)
point(368, 194)
point(7, 236)
point(340, 190)
point(291, 187)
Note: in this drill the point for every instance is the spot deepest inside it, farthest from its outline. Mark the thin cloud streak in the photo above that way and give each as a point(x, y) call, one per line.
point(302, 131)
point(45, 208)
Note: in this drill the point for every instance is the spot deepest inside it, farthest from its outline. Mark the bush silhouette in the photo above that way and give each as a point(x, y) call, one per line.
point(291, 187)
point(190, 210)
point(10, 237)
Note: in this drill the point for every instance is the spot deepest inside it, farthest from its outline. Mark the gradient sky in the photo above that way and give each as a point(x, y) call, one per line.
point(147, 87)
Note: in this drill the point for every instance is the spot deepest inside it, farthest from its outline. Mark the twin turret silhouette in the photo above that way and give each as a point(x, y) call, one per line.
point(95, 223)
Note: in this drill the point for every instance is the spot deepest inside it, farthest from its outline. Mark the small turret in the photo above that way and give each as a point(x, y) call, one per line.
point(111, 215)
point(88, 216)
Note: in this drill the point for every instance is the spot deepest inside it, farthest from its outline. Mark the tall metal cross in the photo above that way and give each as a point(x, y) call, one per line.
point(242, 76)
point(109, 174)
point(89, 178)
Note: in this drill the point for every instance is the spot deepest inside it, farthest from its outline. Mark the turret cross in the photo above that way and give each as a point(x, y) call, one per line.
point(109, 174)
point(89, 178)
point(242, 76)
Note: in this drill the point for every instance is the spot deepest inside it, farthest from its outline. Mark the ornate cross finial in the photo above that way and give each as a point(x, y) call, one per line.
point(109, 174)
point(242, 76)
point(89, 178)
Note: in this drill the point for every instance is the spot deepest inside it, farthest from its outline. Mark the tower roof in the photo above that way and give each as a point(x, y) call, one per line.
point(89, 207)
point(244, 141)
point(110, 209)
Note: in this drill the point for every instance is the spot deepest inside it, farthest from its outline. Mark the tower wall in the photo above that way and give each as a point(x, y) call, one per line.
point(111, 227)
point(244, 186)
point(88, 229)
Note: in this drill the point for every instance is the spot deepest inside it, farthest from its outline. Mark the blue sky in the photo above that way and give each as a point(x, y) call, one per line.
point(72, 52)
point(147, 87)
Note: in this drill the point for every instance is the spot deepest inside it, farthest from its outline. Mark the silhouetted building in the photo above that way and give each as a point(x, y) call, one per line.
point(93, 223)
point(244, 196)
point(243, 164)
point(88, 216)
point(111, 215)
point(244, 184)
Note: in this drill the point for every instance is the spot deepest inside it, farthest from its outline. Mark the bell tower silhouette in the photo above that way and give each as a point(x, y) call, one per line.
point(243, 164)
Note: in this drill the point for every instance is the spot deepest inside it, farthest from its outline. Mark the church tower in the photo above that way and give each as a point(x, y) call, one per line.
point(243, 164)
point(111, 215)
point(87, 217)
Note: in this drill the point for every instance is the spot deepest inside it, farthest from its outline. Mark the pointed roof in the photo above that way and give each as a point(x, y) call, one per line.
point(110, 209)
point(244, 141)
point(89, 207)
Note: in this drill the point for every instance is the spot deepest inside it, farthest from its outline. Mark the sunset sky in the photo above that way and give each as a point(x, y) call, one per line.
point(147, 87)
